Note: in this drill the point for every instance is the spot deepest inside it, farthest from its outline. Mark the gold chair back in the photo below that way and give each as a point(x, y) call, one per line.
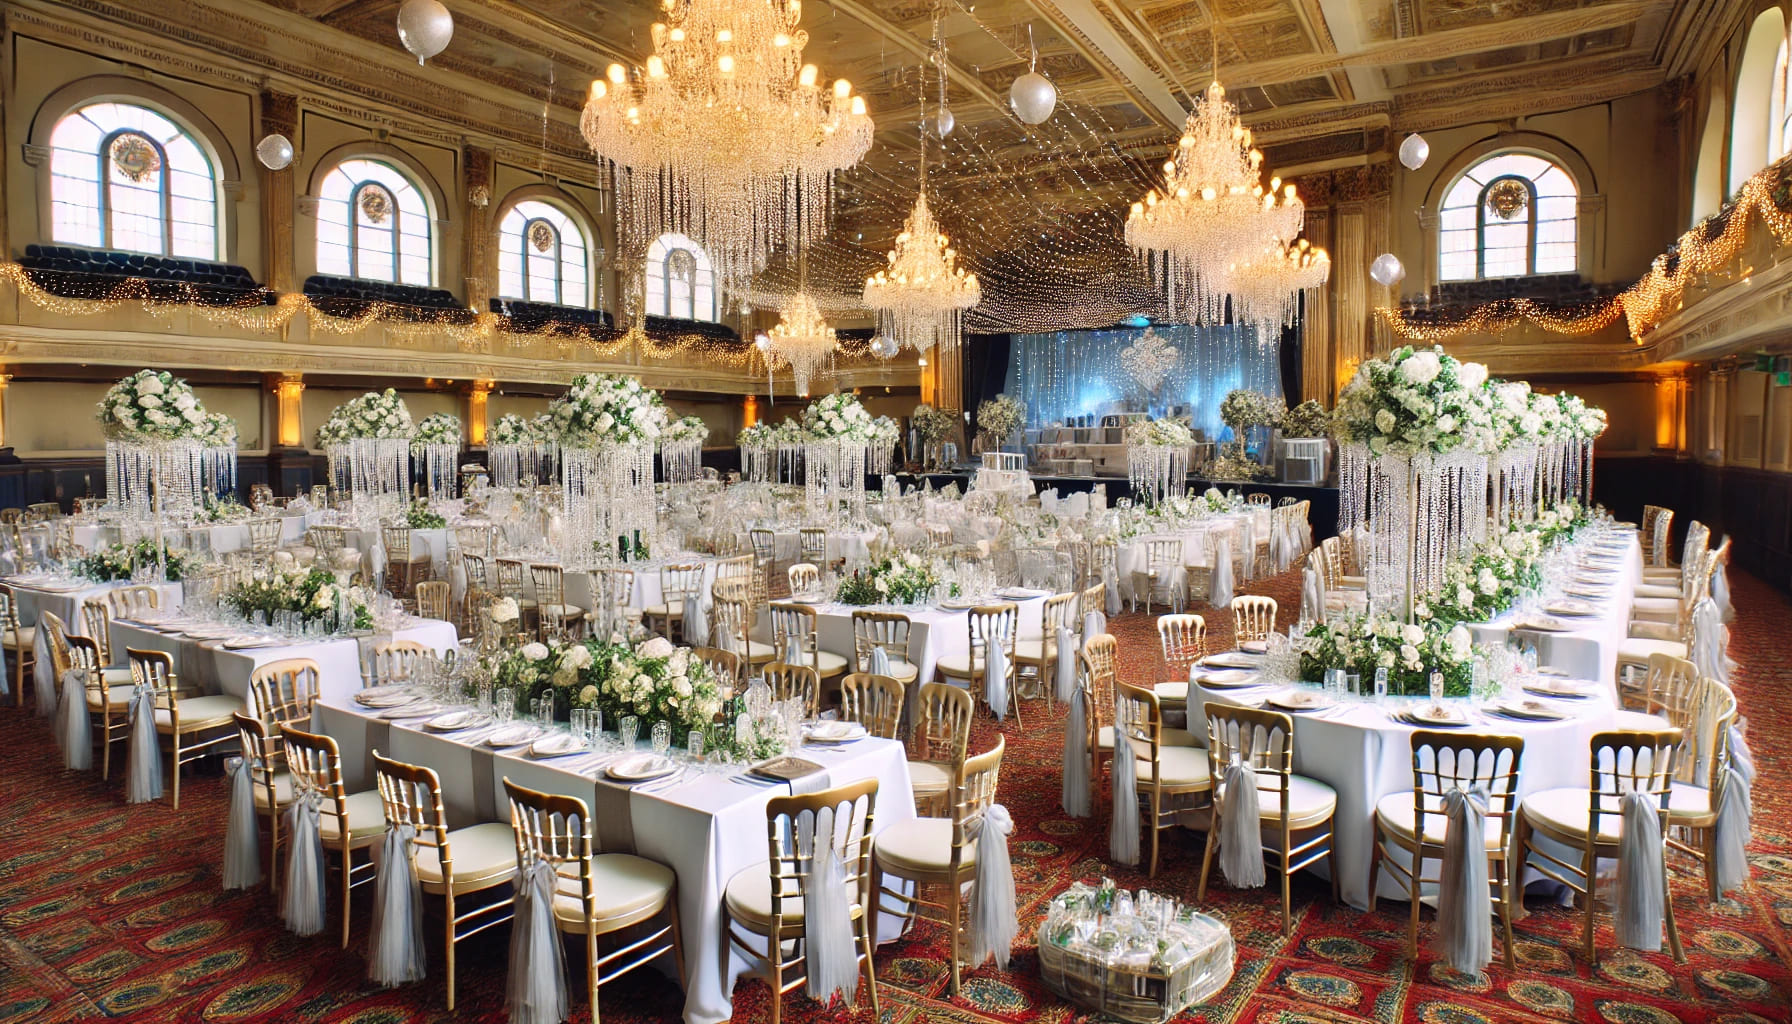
point(874, 702)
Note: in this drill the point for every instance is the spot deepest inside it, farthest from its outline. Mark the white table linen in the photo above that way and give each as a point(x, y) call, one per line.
point(1239, 528)
point(33, 601)
point(1589, 651)
point(223, 537)
point(705, 828)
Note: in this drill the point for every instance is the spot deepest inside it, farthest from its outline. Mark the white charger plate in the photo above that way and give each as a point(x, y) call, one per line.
point(834, 732)
point(640, 768)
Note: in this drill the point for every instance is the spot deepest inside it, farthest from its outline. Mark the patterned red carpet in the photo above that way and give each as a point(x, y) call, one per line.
point(115, 911)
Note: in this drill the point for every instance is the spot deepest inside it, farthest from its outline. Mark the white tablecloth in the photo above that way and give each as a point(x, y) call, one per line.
point(851, 545)
point(648, 592)
point(706, 828)
point(66, 605)
point(207, 666)
point(1591, 651)
point(1240, 528)
point(224, 537)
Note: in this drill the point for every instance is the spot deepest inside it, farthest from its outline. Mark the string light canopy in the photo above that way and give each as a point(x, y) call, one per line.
point(725, 134)
point(802, 339)
point(920, 298)
point(1213, 214)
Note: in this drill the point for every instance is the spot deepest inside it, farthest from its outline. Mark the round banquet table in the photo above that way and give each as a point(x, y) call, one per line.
point(1365, 755)
point(1240, 529)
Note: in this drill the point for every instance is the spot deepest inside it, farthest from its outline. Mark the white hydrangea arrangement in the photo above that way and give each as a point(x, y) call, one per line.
point(442, 428)
point(603, 409)
point(687, 430)
point(839, 416)
point(376, 415)
point(1416, 401)
point(1580, 420)
point(1159, 434)
point(512, 429)
point(151, 406)
point(759, 436)
point(885, 430)
point(218, 431)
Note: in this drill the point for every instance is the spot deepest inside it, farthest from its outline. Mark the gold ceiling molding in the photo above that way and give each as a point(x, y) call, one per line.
point(1509, 94)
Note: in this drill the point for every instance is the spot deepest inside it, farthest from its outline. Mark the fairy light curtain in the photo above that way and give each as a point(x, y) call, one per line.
point(1080, 373)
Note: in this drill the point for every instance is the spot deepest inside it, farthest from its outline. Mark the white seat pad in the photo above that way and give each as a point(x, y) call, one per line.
point(477, 853)
point(822, 662)
point(1171, 691)
point(213, 708)
point(1688, 800)
point(1565, 810)
point(1639, 649)
point(1658, 590)
point(1307, 798)
point(901, 671)
point(961, 665)
point(282, 790)
point(1035, 650)
point(366, 816)
point(1394, 813)
point(928, 778)
point(749, 897)
point(116, 696)
point(1167, 736)
point(924, 844)
point(1182, 766)
point(623, 884)
point(658, 610)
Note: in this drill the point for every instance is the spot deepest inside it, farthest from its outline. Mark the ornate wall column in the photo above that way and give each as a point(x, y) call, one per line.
point(286, 426)
point(5, 379)
point(476, 418)
point(749, 411)
point(948, 386)
point(478, 241)
point(1316, 328)
point(279, 114)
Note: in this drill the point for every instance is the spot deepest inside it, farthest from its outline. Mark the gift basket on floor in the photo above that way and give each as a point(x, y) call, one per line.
point(1144, 958)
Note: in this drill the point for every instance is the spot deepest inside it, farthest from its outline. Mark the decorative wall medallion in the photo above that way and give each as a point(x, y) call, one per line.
point(541, 235)
point(376, 203)
point(1508, 198)
point(135, 157)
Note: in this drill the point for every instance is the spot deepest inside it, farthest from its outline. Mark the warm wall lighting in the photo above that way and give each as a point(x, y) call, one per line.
point(477, 393)
point(289, 412)
point(749, 411)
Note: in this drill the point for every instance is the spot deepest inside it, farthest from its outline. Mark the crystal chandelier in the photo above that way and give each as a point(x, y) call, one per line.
point(1266, 289)
point(1213, 213)
point(801, 338)
point(725, 134)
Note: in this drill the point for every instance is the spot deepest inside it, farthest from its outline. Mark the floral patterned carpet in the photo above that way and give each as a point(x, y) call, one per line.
point(108, 910)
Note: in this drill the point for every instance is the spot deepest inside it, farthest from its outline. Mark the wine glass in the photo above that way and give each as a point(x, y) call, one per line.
point(693, 744)
point(630, 729)
point(662, 737)
point(504, 704)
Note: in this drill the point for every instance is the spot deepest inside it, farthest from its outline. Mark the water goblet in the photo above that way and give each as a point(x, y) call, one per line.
point(693, 744)
point(594, 719)
point(628, 730)
point(1437, 689)
point(662, 737)
point(504, 704)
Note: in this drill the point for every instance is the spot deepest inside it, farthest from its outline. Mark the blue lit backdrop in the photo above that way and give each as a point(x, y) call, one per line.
point(1079, 373)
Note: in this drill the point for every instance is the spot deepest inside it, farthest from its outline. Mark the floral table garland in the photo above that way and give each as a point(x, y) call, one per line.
point(315, 594)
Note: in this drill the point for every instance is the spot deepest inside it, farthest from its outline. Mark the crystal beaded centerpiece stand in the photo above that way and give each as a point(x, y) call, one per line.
point(1418, 512)
point(607, 502)
point(1156, 471)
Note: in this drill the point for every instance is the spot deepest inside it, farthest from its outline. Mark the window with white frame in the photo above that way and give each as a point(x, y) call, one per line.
point(1511, 214)
point(542, 256)
point(373, 223)
point(680, 280)
point(127, 177)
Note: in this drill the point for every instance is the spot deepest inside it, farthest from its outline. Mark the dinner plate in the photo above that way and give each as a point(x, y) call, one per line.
point(1572, 607)
point(809, 600)
point(834, 732)
point(1299, 700)
point(244, 643)
point(1589, 592)
point(1229, 679)
point(1559, 688)
point(557, 744)
point(1020, 593)
point(1529, 710)
point(957, 604)
point(385, 696)
point(208, 634)
point(455, 721)
point(1430, 714)
point(415, 709)
point(1544, 624)
point(640, 768)
point(1232, 659)
point(514, 735)
point(1255, 647)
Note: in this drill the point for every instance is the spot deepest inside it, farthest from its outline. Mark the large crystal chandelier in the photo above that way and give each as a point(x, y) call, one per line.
point(725, 134)
point(1213, 213)
point(801, 338)
point(1266, 289)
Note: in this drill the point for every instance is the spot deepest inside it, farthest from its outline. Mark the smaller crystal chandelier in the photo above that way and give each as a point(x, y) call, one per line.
point(802, 339)
point(1266, 290)
point(920, 298)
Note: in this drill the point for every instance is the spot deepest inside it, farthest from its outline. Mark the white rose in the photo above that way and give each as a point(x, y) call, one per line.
point(1471, 375)
point(1464, 596)
point(605, 422)
point(1420, 367)
point(1488, 582)
point(150, 385)
point(185, 402)
point(1446, 423)
point(193, 415)
point(535, 651)
point(681, 685)
point(1409, 654)
point(1459, 642)
point(149, 402)
point(658, 647)
point(1412, 634)
point(1384, 421)
point(1385, 659)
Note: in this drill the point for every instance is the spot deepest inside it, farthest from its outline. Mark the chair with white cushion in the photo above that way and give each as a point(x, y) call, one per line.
point(452, 864)
point(794, 682)
point(596, 894)
point(766, 903)
point(270, 785)
point(887, 630)
point(680, 584)
point(794, 634)
point(941, 737)
point(1183, 640)
point(731, 619)
point(1163, 555)
point(874, 702)
point(552, 610)
point(940, 852)
point(1253, 618)
point(1589, 820)
point(20, 642)
point(109, 693)
point(1701, 775)
point(1415, 823)
point(986, 624)
point(347, 823)
point(1296, 813)
point(804, 579)
point(193, 726)
point(1167, 776)
point(1040, 653)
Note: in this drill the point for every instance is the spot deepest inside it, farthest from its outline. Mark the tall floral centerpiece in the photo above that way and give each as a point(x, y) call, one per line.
point(882, 454)
point(934, 427)
point(1581, 426)
point(154, 427)
point(839, 431)
point(372, 434)
point(1414, 433)
point(681, 449)
point(436, 444)
point(516, 449)
point(607, 426)
point(1157, 458)
point(997, 420)
point(758, 451)
point(217, 440)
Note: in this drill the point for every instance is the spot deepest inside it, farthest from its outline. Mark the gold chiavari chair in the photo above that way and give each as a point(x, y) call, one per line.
point(474, 539)
point(1701, 777)
point(794, 682)
point(1656, 522)
point(1667, 688)
point(475, 566)
point(874, 702)
point(270, 784)
point(1258, 499)
point(405, 564)
point(1416, 822)
point(986, 624)
point(941, 737)
point(804, 578)
point(595, 894)
point(347, 822)
point(130, 602)
point(1183, 640)
point(1590, 820)
point(98, 620)
point(724, 665)
point(285, 692)
point(435, 600)
point(551, 607)
point(1166, 776)
point(795, 636)
point(396, 661)
point(680, 583)
point(765, 551)
point(1097, 674)
point(264, 536)
point(612, 589)
point(1253, 618)
point(193, 726)
point(812, 545)
point(453, 864)
point(1296, 810)
point(108, 697)
point(1041, 655)
point(767, 902)
point(510, 584)
point(730, 619)
point(939, 535)
point(1162, 556)
point(940, 852)
point(890, 631)
point(737, 567)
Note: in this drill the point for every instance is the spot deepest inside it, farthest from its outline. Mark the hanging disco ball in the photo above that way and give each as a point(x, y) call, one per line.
point(274, 152)
point(1386, 270)
point(1033, 97)
point(424, 27)
point(1413, 151)
point(883, 346)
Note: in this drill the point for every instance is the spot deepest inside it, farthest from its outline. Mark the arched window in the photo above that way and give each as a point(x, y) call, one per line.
point(1708, 173)
point(373, 223)
point(1757, 122)
point(542, 256)
point(680, 282)
point(1511, 214)
point(127, 177)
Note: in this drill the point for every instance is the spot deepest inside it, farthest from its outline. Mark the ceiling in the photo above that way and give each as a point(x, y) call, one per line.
point(1036, 210)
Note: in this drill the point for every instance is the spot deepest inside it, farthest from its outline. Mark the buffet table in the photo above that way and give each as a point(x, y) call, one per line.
point(706, 828)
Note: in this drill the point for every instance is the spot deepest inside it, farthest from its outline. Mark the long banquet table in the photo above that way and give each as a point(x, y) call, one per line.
point(64, 599)
point(222, 537)
point(1589, 651)
point(705, 828)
